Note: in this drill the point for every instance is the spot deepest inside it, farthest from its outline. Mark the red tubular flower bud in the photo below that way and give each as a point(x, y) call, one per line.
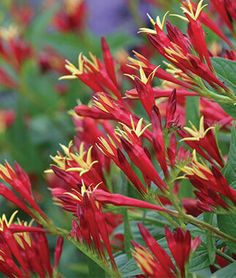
point(156, 262)
point(146, 95)
point(158, 140)
point(108, 61)
point(20, 183)
point(223, 8)
point(181, 245)
point(58, 251)
point(141, 160)
point(159, 93)
point(197, 38)
point(120, 200)
point(170, 110)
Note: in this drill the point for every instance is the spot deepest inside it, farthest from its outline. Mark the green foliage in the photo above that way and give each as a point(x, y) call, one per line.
point(226, 272)
point(200, 259)
point(192, 110)
point(225, 70)
point(37, 30)
point(230, 167)
point(227, 223)
point(210, 240)
point(127, 267)
point(42, 122)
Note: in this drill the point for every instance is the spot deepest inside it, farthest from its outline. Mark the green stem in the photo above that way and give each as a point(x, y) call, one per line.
point(167, 216)
point(147, 219)
point(223, 97)
point(93, 255)
point(225, 256)
point(204, 225)
point(217, 266)
point(211, 95)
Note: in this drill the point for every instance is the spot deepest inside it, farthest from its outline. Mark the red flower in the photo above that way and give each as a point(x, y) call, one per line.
point(194, 207)
point(206, 20)
point(109, 149)
point(71, 17)
point(98, 76)
point(24, 250)
point(77, 164)
point(6, 80)
point(226, 10)
point(214, 114)
point(58, 251)
point(149, 68)
point(195, 31)
point(203, 141)
point(155, 261)
point(14, 50)
point(157, 134)
point(106, 108)
point(130, 139)
point(90, 225)
point(181, 245)
point(21, 193)
point(23, 14)
point(50, 59)
point(176, 48)
point(159, 93)
point(7, 118)
point(144, 89)
point(119, 200)
point(211, 186)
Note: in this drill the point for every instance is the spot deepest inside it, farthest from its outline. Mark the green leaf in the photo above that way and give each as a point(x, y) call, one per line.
point(127, 233)
point(210, 241)
point(127, 268)
point(229, 170)
point(94, 269)
point(203, 273)
point(227, 272)
point(225, 70)
point(199, 259)
point(229, 109)
point(192, 110)
point(227, 224)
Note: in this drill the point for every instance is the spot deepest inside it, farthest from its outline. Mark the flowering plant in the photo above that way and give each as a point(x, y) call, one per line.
point(148, 181)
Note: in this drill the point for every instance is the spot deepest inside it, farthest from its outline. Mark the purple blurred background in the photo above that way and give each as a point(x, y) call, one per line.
point(108, 16)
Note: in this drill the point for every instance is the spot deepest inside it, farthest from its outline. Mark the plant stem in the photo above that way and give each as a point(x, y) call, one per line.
point(204, 225)
point(92, 254)
point(225, 256)
point(222, 97)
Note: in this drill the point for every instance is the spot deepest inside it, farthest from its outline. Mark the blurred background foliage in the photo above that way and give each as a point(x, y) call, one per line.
point(34, 105)
point(35, 39)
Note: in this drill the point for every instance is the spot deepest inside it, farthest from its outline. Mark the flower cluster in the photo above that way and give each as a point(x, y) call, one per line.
point(24, 249)
point(135, 151)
